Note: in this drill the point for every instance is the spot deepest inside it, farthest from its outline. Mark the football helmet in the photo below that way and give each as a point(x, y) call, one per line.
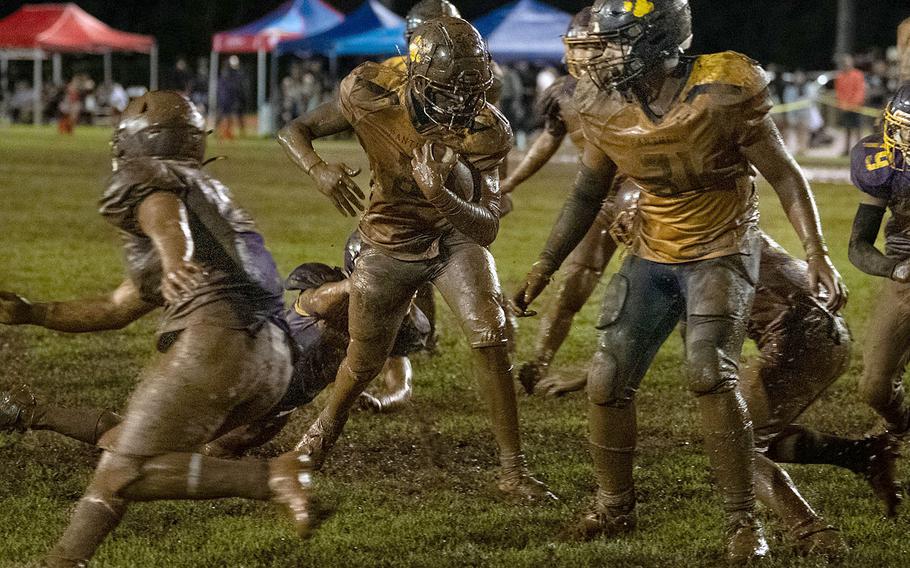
point(160, 124)
point(449, 71)
point(426, 10)
point(627, 38)
point(897, 128)
point(577, 47)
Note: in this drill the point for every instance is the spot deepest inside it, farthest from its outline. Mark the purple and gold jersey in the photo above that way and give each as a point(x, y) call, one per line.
point(241, 288)
point(871, 172)
point(399, 220)
point(698, 198)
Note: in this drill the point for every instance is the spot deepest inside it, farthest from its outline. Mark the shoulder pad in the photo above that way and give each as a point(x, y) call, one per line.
point(370, 87)
point(553, 96)
point(398, 63)
point(490, 134)
point(870, 170)
point(130, 184)
point(730, 76)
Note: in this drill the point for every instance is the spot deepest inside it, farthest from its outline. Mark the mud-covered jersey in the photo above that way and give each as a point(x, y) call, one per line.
point(698, 197)
point(494, 93)
point(561, 118)
point(786, 315)
point(871, 172)
point(322, 345)
point(399, 220)
point(241, 288)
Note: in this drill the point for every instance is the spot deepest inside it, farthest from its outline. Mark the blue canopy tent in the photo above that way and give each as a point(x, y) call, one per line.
point(294, 19)
point(381, 41)
point(525, 30)
point(371, 15)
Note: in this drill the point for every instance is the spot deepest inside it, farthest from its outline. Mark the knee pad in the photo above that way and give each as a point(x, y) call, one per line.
point(115, 472)
point(710, 370)
point(605, 387)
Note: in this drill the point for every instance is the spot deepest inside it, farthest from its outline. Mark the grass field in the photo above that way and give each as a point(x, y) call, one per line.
point(411, 489)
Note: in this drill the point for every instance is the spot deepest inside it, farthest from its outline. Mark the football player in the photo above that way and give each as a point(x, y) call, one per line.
point(688, 131)
point(318, 323)
point(879, 170)
point(224, 356)
point(417, 128)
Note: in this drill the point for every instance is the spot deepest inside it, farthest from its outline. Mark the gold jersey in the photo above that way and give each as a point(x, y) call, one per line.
point(698, 198)
point(399, 220)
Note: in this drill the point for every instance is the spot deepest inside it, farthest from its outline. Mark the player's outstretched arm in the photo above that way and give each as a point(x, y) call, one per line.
point(595, 176)
point(332, 180)
point(538, 155)
point(112, 311)
point(863, 254)
point(329, 301)
point(769, 155)
point(478, 221)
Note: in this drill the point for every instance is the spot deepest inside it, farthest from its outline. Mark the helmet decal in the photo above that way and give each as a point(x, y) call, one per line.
point(639, 8)
point(415, 50)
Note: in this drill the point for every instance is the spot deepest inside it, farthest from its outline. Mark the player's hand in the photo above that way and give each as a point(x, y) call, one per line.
point(181, 279)
point(556, 387)
point(335, 182)
point(14, 309)
point(535, 282)
point(901, 272)
point(825, 280)
point(431, 173)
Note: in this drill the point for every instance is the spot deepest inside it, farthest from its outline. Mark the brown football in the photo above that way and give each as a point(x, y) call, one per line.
point(461, 180)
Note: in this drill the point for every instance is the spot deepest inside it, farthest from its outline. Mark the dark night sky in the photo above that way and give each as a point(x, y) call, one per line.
point(791, 32)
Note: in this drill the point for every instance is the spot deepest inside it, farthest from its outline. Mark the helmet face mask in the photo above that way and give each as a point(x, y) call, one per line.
point(579, 48)
point(626, 40)
point(449, 72)
point(896, 129)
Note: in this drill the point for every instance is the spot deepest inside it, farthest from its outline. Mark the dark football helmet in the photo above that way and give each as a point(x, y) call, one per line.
point(449, 71)
point(426, 10)
point(627, 38)
point(576, 42)
point(897, 128)
point(160, 124)
point(312, 275)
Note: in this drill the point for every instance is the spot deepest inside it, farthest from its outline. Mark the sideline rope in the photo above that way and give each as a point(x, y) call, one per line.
point(825, 100)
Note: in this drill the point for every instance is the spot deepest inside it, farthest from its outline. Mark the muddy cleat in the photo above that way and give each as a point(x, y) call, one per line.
point(291, 481)
point(880, 472)
point(17, 407)
point(815, 538)
point(524, 486)
point(530, 374)
point(745, 540)
point(607, 521)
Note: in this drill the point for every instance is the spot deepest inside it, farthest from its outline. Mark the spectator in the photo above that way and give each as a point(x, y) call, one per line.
point(903, 49)
point(199, 90)
point(293, 99)
point(181, 78)
point(511, 97)
point(850, 90)
point(231, 99)
point(70, 107)
point(22, 102)
point(801, 121)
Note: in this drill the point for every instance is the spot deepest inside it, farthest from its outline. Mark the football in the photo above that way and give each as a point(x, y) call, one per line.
point(461, 181)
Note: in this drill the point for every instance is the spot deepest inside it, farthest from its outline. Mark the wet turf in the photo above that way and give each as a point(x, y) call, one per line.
point(412, 489)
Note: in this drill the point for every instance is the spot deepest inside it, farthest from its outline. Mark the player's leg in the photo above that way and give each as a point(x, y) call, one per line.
point(381, 292)
point(467, 280)
point(718, 301)
point(426, 301)
point(239, 440)
point(885, 357)
point(581, 273)
point(640, 309)
point(21, 411)
point(152, 454)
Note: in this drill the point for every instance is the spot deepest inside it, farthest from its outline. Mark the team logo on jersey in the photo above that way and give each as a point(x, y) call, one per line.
point(639, 8)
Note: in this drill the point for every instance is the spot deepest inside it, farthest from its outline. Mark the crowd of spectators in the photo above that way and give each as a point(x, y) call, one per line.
point(78, 101)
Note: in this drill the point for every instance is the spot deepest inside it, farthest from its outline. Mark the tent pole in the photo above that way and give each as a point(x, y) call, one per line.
point(213, 89)
point(4, 87)
point(38, 85)
point(273, 83)
point(261, 61)
point(57, 62)
point(108, 68)
point(153, 68)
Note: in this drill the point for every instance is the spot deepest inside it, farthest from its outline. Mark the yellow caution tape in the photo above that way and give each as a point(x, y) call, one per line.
point(825, 100)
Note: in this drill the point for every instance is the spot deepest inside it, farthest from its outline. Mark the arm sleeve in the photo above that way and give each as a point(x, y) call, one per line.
point(576, 218)
point(478, 221)
point(863, 253)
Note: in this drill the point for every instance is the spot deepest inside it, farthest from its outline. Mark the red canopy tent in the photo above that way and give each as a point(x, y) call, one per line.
point(35, 30)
